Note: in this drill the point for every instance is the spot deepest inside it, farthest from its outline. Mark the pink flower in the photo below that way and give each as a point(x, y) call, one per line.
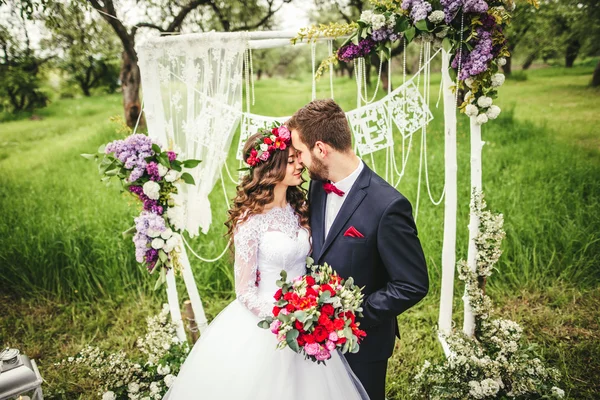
point(264, 156)
point(284, 311)
point(312, 349)
point(323, 355)
point(330, 345)
point(333, 337)
point(275, 326)
point(284, 132)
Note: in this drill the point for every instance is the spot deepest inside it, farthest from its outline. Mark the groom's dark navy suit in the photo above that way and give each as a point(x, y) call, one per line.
point(388, 261)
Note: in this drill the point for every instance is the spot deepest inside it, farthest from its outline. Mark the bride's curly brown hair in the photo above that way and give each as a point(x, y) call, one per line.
point(255, 190)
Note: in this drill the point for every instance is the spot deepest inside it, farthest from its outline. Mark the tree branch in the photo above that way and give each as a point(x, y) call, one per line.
point(178, 20)
point(270, 13)
point(117, 25)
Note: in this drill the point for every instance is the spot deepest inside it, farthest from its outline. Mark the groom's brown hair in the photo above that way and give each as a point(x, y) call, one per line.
point(322, 120)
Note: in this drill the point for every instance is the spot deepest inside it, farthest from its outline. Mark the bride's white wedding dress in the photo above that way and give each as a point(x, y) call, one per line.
point(235, 359)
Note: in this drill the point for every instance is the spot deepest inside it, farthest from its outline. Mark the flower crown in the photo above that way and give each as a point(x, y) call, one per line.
point(276, 138)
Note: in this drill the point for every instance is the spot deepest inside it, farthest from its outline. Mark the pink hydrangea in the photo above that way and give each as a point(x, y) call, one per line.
point(284, 132)
point(333, 337)
point(323, 355)
point(330, 345)
point(275, 326)
point(312, 349)
point(264, 156)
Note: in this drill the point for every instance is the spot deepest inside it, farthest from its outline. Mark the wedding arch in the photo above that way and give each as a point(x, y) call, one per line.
point(193, 101)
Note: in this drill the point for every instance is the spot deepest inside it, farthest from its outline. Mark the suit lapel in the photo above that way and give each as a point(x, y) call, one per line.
point(355, 197)
point(318, 216)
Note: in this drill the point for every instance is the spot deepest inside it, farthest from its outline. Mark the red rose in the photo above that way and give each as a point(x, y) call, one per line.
point(301, 340)
point(287, 296)
point(323, 319)
point(309, 338)
point(278, 294)
point(290, 308)
point(310, 280)
point(328, 288)
point(341, 340)
point(299, 325)
point(276, 310)
point(310, 292)
point(350, 315)
point(282, 146)
point(338, 324)
point(275, 131)
point(329, 326)
point(328, 310)
point(268, 141)
point(253, 153)
point(271, 148)
point(320, 334)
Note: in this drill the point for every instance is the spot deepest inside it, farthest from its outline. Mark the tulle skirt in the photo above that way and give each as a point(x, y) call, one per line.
point(235, 359)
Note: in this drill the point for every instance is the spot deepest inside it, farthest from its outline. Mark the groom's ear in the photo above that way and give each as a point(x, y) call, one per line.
point(321, 149)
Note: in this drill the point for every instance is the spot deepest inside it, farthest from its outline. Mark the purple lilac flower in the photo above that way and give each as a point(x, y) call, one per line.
point(152, 170)
point(418, 9)
point(382, 34)
point(151, 255)
point(172, 156)
point(132, 152)
point(477, 60)
point(475, 6)
point(352, 51)
point(136, 189)
point(145, 224)
point(450, 8)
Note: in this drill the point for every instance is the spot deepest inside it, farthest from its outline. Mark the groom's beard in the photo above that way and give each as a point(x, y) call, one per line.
point(318, 171)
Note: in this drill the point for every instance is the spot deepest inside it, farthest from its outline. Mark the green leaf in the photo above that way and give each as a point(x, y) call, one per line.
point(264, 324)
point(409, 34)
point(283, 275)
point(309, 262)
point(89, 156)
point(308, 324)
point(164, 160)
point(101, 149)
point(191, 163)
point(324, 297)
point(290, 339)
point(422, 25)
point(128, 232)
point(300, 316)
point(162, 278)
point(345, 347)
point(163, 256)
point(355, 348)
point(447, 44)
point(156, 148)
point(402, 24)
point(176, 167)
point(187, 178)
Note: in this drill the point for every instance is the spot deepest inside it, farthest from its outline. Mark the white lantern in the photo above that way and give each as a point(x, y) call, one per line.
point(19, 376)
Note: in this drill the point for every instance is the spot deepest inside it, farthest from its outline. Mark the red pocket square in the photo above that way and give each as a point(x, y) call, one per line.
point(352, 232)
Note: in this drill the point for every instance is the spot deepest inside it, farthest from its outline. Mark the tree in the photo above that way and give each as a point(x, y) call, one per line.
point(89, 48)
point(19, 65)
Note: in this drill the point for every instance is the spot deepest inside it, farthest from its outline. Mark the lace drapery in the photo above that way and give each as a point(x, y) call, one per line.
point(193, 96)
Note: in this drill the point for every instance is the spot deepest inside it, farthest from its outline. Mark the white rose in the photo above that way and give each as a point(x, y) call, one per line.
point(471, 110)
point(169, 380)
point(264, 147)
point(437, 16)
point(493, 112)
point(498, 80)
point(154, 387)
point(163, 370)
point(166, 233)
point(158, 243)
point(133, 387)
point(481, 119)
point(162, 170)
point(501, 61)
point(484, 101)
point(152, 190)
point(378, 21)
point(172, 176)
point(469, 82)
point(152, 233)
point(366, 16)
point(109, 395)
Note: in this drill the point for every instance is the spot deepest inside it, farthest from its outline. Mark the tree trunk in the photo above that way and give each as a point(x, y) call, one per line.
point(596, 76)
point(507, 68)
point(130, 83)
point(529, 60)
point(571, 53)
point(384, 75)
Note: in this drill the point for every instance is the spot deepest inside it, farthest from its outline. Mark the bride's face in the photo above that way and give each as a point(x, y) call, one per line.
point(293, 173)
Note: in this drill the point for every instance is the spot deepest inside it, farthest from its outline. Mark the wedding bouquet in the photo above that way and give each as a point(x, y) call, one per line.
point(153, 175)
point(315, 314)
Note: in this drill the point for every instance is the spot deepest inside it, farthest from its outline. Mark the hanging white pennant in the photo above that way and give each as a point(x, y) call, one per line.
point(251, 124)
point(370, 127)
point(408, 109)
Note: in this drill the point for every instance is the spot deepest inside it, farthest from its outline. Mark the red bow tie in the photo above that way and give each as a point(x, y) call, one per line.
point(330, 188)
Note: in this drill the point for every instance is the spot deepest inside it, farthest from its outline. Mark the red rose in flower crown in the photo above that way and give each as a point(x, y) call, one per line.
point(276, 138)
point(315, 314)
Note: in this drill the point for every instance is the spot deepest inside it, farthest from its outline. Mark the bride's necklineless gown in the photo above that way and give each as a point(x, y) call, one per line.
point(235, 359)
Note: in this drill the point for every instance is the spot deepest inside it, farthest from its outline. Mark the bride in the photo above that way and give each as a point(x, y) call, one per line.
point(235, 359)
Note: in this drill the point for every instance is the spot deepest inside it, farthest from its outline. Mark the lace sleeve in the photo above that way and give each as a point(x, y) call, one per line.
point(246, 239)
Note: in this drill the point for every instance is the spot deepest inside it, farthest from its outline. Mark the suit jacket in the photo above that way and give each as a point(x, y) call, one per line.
point(388, 261)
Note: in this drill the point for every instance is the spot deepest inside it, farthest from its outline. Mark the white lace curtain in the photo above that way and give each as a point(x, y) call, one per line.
point(192, 101)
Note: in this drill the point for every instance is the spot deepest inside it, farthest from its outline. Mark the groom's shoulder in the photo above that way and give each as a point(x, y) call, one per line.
point(381, 190)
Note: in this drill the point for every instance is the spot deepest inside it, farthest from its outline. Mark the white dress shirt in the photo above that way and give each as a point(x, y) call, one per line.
point(334, 202)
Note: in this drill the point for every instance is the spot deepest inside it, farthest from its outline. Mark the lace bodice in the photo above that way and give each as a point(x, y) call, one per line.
point(268, 243)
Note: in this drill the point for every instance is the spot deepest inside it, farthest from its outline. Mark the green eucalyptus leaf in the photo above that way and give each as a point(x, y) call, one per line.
point(187, 178)
point(410, 33)
point(191, 163)
point(264, 324)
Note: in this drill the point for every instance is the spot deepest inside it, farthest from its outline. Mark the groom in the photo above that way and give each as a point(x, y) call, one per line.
point(364, 228)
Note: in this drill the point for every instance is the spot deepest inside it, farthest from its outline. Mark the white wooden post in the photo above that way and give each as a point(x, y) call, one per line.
point(192, 290)
point(450, 203)
point(476, 146)
point(174, 305)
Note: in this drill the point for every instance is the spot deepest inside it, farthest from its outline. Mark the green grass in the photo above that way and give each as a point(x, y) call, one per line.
point(68, 277)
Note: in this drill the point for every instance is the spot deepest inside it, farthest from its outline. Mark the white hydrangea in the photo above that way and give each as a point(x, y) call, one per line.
point(471, 110)
point(437, 16)
point(169, 379)
point(391, 22)
point(484, 101)
point(172, 176)
point(378, 21)
point(501, 61)
point(110, 395)
point(163, 369)
point(367, 16)
point(475, 390)
point(162, 170)
point(498, 80)
point(493, 112)
point(152, 190)
point(133, 387)
point(558, 392)
point(176, 216)
point(469, 82)
point(489, 387)
point(481, 119)
point(154, 388)
point(172, 243)
point(158, 243)
point(167, 233)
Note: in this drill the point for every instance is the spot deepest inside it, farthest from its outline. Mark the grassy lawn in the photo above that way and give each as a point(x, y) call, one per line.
point(69, 279)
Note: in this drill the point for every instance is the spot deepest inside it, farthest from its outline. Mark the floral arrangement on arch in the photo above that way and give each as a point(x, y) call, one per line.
point(154, 176)
point(494, 363)
point(148, 375)
point(472, 31)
